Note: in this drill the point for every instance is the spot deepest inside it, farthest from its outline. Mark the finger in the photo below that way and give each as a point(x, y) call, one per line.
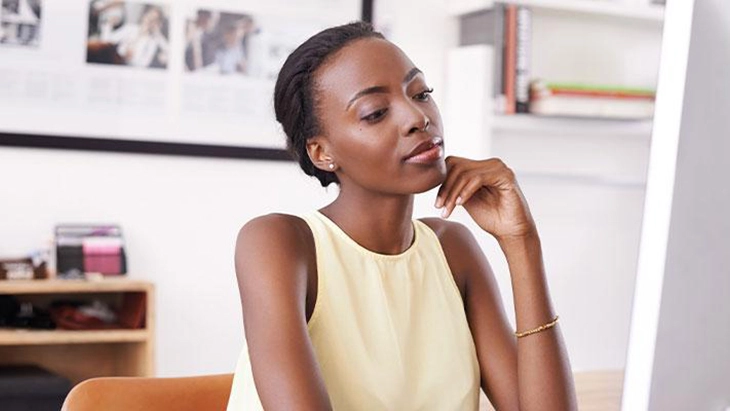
point(451, 187)
point(468, 190)
point(454, 159)
point(453, 199)
point(453, 170)
point(493, 175)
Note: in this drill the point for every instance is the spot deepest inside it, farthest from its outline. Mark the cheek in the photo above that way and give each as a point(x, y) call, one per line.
point(372, 143)
point(370, 152)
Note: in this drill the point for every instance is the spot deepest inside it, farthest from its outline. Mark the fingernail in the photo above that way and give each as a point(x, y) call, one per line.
point(444, 212)
point(438, 202)
point(459, 200)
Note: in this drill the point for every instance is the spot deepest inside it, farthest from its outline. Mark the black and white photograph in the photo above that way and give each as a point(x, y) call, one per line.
point(20, 22)
point(128, 34)
point(219, 42)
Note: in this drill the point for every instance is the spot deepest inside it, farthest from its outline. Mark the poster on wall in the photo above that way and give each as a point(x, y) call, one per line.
point(175, 72)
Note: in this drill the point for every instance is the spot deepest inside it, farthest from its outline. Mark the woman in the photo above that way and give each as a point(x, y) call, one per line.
point(359, 307)
point(144, 44)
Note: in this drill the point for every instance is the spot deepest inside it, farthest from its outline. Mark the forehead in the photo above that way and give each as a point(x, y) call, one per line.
point(363, 63)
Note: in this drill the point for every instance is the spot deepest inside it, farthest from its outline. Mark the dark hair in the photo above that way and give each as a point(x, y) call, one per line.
point(294, 100)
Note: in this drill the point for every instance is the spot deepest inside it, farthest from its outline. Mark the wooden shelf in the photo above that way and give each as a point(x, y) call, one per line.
point(55, 286)
point(531, 124)
point(81, 354)
point(46, 337)
point(617, 9)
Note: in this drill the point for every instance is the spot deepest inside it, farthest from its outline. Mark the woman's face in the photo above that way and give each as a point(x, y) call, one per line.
point(152, 19)
point(380, 126)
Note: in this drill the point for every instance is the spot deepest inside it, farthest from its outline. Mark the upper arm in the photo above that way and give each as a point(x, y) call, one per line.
point(272, 266)
point(493, 338)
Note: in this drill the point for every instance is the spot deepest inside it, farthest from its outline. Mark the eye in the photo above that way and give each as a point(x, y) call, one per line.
point(424, 95)
point(375, 116)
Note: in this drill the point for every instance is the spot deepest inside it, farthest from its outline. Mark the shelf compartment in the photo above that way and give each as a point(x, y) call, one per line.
point(531, 124)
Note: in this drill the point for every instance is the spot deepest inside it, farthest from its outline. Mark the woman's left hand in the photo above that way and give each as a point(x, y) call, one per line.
point(489, 192)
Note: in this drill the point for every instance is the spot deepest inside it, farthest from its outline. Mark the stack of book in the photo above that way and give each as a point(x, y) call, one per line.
point(89, 249)
point(580, 100)
point(515, 90)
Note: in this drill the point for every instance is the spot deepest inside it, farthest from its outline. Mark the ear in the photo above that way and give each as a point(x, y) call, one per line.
point(319, 149)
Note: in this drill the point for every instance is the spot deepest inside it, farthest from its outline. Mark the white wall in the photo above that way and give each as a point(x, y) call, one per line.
point(590, 232)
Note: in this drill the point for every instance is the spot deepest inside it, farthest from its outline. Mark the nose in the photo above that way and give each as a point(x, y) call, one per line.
point(416, 121)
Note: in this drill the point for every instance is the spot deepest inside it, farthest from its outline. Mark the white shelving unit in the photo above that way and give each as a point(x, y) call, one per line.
point(530, 124)
point(600, 38)
point(582, 179)
point(617, 9)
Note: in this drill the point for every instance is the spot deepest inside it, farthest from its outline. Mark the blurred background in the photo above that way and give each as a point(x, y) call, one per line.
point(561, 90)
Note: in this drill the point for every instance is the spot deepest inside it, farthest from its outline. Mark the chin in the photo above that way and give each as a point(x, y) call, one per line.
point(429, 181)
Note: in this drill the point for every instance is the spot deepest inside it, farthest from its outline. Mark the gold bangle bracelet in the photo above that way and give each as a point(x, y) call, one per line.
point(543, 327)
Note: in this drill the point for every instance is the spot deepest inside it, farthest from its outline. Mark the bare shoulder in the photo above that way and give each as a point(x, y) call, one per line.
point(284, 228)
point(455, 238)
point(270, 241)
point(463, 253)
point(449, 231)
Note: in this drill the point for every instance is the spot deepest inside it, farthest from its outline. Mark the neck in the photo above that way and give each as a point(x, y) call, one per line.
point(379, 222)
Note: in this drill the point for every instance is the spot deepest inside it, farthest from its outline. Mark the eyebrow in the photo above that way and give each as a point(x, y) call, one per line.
point(382, 89)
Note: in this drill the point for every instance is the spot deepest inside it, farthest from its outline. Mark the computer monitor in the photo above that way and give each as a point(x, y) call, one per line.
point(679, 345)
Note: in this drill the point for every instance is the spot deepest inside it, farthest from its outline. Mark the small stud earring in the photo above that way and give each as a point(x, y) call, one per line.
point(332, 166)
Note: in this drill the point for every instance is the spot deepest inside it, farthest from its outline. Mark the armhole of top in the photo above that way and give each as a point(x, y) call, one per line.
point(318, 301)
point(444, 260)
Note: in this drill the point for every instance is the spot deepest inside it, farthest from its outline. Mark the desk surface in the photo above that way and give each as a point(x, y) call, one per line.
point(596, 391)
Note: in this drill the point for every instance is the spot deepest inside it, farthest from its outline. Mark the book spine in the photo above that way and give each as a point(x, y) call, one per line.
point(510, 58)
point(522, 76)
point(499, 50)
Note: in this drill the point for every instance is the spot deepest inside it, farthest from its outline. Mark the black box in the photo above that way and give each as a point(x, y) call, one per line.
point(31, 388)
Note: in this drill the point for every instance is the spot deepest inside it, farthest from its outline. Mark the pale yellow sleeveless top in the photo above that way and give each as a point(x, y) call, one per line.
point(389, 331)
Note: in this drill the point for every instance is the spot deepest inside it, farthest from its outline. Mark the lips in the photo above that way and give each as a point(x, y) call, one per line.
point(426, 151)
